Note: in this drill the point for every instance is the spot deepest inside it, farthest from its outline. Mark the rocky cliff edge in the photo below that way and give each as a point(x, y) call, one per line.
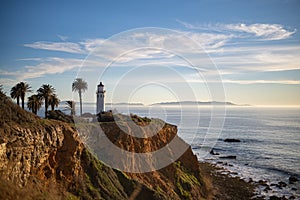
point(46, 159)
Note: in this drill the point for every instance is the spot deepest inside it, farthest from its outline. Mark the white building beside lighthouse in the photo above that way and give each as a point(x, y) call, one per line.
point(100, 98)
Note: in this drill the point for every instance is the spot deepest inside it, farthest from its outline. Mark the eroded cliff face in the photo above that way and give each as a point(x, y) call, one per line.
point(47, 159)
point(179, 180)
point(46, 149)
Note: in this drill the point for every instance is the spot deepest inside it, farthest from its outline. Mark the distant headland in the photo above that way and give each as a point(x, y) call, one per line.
point(124, 103)
point(175, 103)
point(199, 103)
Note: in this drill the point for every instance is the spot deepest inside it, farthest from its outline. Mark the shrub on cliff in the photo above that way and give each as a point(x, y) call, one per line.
point(59, 115)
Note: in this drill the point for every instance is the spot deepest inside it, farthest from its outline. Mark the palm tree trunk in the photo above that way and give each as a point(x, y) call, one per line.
point(34, 109)
point(46, 106)
point(18, 101)
point(52, 107)
point(22, 98)
point(80, 102)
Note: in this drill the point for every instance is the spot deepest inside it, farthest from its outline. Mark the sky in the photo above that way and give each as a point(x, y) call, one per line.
point(246, 52)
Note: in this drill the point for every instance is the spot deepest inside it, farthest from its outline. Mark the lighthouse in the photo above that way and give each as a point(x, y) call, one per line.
point(100, 98)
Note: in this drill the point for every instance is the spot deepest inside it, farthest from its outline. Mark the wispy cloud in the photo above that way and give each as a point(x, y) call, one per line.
point(195, 78)
point(8, 82)
point(30, 59)
point(208, 41)
point(246, 82)
point(265, 31)
point(90, 44)
point(46, 66)
point(258, 58)
point(218, 40)
point(258, 30)
point(51, 66)
point(58, 46)
point(6, 73)
point(62, 37)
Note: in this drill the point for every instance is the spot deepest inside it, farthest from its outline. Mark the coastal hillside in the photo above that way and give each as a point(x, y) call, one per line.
point(179, 180)
point(46, 159)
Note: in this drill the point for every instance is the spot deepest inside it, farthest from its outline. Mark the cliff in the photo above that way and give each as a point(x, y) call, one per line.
point(46, 159)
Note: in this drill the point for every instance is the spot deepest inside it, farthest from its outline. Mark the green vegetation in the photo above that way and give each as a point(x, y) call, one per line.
point(45, 91)
point(15, 94)
point(59, 115)
point(70, 105)
point(19, 91)
point(23, 87)
point(11, 112)
point(2, 93)
point(137, 119)
point(80, 86)
point(95, 180)
point(70, 196)
point(185, 181)
point(34, 103)
point(99, 181)
point(53, 101)
point(159, 190)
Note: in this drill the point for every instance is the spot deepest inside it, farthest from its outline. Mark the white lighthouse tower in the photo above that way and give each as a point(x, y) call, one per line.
point(100, 98)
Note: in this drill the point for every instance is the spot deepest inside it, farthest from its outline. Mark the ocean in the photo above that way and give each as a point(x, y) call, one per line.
point(269, 147)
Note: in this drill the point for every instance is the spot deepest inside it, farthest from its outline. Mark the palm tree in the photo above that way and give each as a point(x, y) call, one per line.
point(19, 91)
point(34, 103)
point(79, 86)
point(2, 94)
point(45, 91)
point(70, 105)
point(15, 93)
point(23, 87)
point(53, 101)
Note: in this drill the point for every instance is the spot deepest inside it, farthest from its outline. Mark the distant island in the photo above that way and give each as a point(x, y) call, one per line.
point(124, 104)
point(199, 103)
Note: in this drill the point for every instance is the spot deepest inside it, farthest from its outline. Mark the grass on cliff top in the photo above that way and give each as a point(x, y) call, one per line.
point(184, 181)
point(103, 182)
point(11, 112)
point(33, 190)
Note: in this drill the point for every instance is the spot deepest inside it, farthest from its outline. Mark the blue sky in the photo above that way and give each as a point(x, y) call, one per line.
point(255, 46)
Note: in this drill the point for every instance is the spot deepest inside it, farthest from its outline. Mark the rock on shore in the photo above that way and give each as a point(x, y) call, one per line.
point(231, 140)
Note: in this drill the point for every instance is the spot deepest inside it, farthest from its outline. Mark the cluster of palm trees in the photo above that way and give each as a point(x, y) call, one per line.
point(46, 94)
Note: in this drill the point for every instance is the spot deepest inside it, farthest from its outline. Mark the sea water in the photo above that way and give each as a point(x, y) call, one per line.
point(270, 139)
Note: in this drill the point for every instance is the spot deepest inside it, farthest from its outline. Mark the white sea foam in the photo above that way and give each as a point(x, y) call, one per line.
point(269, 147)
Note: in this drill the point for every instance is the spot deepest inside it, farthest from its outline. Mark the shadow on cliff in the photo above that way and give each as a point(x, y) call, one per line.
point(46, 159)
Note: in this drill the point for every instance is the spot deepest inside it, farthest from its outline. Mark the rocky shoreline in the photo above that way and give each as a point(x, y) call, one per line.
point(226, 187)
point(227, 167)
point(230, 185)
point(46, 159)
